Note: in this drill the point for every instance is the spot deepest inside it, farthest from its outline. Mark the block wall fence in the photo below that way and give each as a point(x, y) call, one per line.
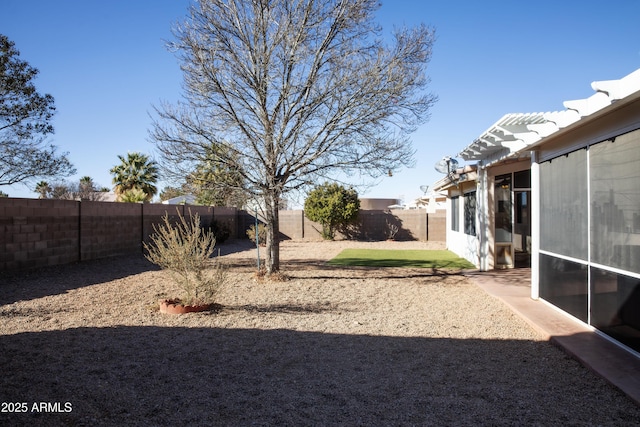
point(37, 233)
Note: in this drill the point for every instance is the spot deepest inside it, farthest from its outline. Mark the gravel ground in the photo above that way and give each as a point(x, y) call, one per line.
point(329, 346)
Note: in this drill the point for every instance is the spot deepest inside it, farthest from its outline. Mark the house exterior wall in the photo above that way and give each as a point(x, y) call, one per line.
point(481, 248)
point(458, 241)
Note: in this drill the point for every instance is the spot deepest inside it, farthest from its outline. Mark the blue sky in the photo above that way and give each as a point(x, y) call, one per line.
point(106, 65)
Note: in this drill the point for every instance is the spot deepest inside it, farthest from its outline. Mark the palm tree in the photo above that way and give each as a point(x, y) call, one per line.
point(43, 189)
point(86, 184)
point(136, 171)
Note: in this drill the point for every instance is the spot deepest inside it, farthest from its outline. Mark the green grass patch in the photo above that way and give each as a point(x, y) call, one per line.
point(400, 258)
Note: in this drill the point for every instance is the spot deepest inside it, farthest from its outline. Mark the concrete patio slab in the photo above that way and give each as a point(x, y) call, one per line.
point(618, 366)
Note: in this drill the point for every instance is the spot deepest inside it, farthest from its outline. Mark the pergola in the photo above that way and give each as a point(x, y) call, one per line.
point(510, 136)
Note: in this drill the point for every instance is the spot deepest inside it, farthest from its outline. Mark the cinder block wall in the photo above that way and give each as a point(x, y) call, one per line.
point(109, 229)
point(437, 230)
point(312, 230)
point(376, 224)
point(371, 225)
point(152, 216)
point(412, 224)
point(223, 216)
point(38, 233)
point(292, 224)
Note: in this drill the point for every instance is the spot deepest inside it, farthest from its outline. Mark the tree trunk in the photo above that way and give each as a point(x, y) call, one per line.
point(272, 202)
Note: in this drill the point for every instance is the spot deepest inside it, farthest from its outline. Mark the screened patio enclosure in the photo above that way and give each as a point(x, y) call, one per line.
point(590, 235)
point(560, 191)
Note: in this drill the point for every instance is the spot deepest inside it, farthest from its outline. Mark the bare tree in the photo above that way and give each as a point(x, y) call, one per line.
point(84, 189)
point(297, 91)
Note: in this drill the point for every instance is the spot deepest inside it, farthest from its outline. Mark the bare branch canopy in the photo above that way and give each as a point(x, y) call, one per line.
point(297, 91)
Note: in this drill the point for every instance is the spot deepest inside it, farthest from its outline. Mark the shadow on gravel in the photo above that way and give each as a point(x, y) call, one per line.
point(137, 376)
point(281, 308)
point(37, 283)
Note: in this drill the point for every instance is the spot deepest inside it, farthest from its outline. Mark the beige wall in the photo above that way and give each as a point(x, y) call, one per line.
point(37, 233)
point(413, 224)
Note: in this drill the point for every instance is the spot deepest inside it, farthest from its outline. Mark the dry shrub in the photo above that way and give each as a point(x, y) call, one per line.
point(262, 234)
point(185, 250)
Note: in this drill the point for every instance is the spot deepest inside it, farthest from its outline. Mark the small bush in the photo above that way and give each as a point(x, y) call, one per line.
point(333, 206)
point(262, 233)
point(185, 250)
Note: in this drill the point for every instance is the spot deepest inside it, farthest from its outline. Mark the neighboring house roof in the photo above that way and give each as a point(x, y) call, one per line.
point(108, 196)
point(514, 134)
point(187, 199)
point(434, 201)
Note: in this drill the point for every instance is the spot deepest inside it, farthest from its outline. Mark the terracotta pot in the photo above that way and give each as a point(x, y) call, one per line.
point(173, 306)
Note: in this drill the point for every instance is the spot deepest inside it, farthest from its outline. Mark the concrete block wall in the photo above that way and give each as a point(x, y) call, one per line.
point(152, 216)
point(109, 229)
point(292, 224)
point(371, 225)
point(37, 233)
point(312, 229)
point(375, 224)
point(412, 224)
point(437, 227)
point(244, 221)
point(223, 216)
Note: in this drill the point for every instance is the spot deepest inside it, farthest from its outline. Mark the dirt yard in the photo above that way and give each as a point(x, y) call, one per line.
point(86, 345)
